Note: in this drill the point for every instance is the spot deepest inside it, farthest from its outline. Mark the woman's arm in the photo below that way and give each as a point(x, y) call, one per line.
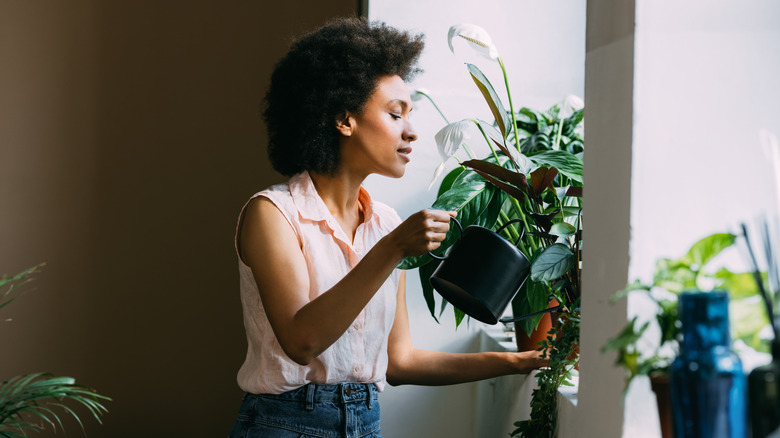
point(408, 365)
point(303, 327)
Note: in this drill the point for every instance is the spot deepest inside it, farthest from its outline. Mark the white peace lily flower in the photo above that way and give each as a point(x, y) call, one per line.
point(450, 138)
point(570, 105)
point(476, 37)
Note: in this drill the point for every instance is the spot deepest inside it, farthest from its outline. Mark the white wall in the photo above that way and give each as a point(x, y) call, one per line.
point(543, 47)
point(707, 78)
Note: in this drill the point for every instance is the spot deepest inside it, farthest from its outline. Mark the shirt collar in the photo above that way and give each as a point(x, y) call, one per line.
point(311, 206)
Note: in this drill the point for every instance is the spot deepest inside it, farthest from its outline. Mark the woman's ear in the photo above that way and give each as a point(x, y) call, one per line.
point(345, 124)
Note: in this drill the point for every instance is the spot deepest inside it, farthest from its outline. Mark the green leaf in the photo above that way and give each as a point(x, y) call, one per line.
point(459, 315)
point(492, 99)
point(673, 275)
point(426, 271)
point(567, 164)
point(552, 263)
point(470, 196)
point(740, 285)
point(707, 249)
point(562, 229)
point(542, 178)
point(446, 183)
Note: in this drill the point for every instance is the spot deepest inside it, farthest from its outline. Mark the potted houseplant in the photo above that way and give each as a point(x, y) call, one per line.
point(28, 402)
point(532, 175)
point(648, 348)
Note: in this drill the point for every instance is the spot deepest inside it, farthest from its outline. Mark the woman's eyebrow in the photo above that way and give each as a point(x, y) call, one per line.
point(404, 104)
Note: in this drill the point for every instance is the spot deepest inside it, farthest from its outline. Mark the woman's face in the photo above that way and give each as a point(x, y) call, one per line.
point(378, 139)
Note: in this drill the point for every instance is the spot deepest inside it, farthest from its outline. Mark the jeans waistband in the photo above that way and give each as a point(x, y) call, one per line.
point(336, 393)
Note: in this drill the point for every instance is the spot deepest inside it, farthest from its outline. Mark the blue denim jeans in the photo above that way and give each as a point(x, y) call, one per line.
point(346, 410)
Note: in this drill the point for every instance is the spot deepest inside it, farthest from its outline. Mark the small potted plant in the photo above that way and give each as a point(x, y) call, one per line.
point(648, 348)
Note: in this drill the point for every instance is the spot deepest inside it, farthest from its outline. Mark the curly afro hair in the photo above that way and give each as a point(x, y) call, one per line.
point(327, 72)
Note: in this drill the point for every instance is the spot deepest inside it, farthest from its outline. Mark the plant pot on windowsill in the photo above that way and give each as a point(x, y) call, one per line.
point(525, 341)
point(659, 382)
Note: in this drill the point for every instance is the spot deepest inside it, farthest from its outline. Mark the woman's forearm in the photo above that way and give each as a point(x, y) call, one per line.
point(321, 322)
point(431, 368)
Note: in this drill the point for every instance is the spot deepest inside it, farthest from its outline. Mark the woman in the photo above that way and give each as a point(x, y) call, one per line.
point(324, 308)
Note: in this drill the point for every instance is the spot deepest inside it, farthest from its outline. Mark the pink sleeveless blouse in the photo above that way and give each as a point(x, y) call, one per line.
point(360, 354)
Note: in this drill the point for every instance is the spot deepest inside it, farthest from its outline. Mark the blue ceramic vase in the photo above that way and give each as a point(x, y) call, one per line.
point(708, 385)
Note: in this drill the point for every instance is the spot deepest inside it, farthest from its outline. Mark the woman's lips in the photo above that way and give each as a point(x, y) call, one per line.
point(404, 152)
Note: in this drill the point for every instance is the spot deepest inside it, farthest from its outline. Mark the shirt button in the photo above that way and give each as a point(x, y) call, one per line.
point(356, 326)
point(357, 369)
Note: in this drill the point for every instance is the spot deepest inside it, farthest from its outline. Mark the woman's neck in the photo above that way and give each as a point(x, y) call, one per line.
point(340, 194)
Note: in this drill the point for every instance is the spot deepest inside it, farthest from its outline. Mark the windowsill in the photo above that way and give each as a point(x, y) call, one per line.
point(504, 400)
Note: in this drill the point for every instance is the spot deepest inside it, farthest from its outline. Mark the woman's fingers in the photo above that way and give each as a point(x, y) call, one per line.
point(425, 230)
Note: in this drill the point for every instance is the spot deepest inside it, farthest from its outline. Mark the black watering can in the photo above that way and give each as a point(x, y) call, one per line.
point(481, 273)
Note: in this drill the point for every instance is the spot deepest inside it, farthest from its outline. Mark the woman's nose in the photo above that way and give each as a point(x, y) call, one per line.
point(409, 133)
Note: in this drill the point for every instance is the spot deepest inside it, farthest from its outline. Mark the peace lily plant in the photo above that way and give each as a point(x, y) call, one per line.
point(532, 172)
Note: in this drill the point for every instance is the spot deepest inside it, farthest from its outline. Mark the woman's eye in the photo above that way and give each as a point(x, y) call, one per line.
point(395, 116)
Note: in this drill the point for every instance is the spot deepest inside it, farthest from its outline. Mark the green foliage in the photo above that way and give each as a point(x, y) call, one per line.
point(24, 399)
point(531, 185)
point(562, 348)
point(29, 402)
point(689, 272)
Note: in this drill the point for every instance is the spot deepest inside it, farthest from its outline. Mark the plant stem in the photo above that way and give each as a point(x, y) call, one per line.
point(511, 107)
point(521, 214)
point(435, 106)
point(492, 149)
point(513, 234)
point(468, 151)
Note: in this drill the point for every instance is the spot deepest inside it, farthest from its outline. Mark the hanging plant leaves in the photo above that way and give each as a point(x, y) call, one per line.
point(542, 178)
point(552, 263)
point(426, 271)
point(567, 163)
point(489, 93)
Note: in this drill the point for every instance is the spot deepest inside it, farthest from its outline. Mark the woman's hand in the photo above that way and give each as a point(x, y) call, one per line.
point(422, 232)
point(527, 361)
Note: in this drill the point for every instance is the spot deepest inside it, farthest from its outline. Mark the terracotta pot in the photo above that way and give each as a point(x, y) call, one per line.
point(527, 342)
point(660, 385)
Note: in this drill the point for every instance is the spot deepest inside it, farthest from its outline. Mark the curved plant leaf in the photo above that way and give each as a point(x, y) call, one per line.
point(707, 249)
point(426, 271)
point(492, 99)
point(552, 263)
point(542, 178)
point(562, 229)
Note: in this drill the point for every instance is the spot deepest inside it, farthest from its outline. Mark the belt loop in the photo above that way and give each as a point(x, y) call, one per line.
point(370, 395)
point(310, 396)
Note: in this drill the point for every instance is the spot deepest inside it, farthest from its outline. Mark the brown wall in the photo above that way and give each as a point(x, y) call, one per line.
point(130, 137)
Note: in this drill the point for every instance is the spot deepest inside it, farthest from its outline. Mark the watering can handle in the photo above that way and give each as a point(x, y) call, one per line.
point(460, 228)
point(522, 229)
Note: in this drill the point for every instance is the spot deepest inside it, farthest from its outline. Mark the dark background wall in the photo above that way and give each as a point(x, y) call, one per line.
point(130, 137)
